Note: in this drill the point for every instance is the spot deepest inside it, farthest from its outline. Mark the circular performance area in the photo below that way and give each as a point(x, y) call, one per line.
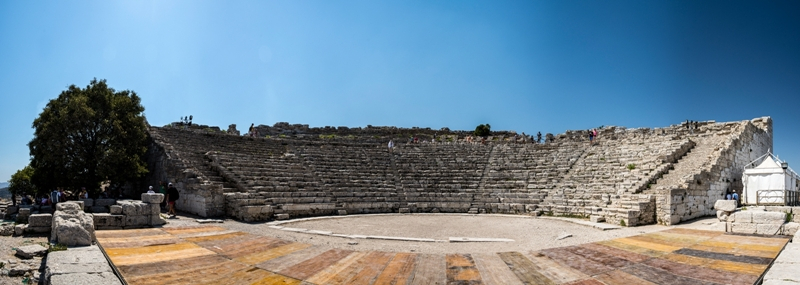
point(367, 249)
point(444, 233)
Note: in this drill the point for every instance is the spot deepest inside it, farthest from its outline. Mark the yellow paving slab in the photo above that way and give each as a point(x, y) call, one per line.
point(326, 275)
point(149, 254)
point(398, 271)
point(128, 233)
point(215, 237)
point(632, 248)
point(739, 249)
point(259, 257)
point(755, 240)
point(648, 244)
point(743, 268)
point(211, 274)
point(194, 230)
point(678, 239)
point(694, 232)
point(141, 241)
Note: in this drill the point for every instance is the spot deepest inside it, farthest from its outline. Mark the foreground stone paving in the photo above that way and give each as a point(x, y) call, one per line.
point(215, 255)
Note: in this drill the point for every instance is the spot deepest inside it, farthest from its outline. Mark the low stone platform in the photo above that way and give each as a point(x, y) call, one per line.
point(215, 255)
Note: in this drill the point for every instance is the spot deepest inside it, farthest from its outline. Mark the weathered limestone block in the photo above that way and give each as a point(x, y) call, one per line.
point(115, 209)
point(154, 198)
point(157, 220)
point(106, 221)
point(20, 229)
point(742, 217)
point(29, 251)
point(768, 229)
point(282, 216)
point(24, 212)
point(134, 208)
point(104, 202)
point(7, 229)
point(12, 209)
point(772, 218)
point(79, 202)
point(71, 226)
point(790, 229)
point(597, 219)
point(722, 216)
point(99, 209)
point(137, 221)
point(39, 230)
point(725, 205)
point(84, 265)
point(40, 220)
point(746, 228)
point(88, 202)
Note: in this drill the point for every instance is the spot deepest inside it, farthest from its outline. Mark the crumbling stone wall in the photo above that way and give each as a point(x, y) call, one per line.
point(197, 195)
point(737, 145)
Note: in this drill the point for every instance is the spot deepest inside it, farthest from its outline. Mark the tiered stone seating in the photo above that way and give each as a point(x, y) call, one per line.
point(603, 181)
point(316, 174)
point(440, 177)
point(359, 177)
point(520, 176)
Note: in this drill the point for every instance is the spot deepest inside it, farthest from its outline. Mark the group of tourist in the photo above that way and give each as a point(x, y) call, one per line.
point(170, 196)
point(733, 196)
point(592, 135)
point(469, 139)
point(691, 125)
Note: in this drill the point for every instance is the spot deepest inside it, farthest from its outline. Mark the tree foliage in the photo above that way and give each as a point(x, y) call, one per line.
point(483, 130)
point(88, 136)
point(20, 183)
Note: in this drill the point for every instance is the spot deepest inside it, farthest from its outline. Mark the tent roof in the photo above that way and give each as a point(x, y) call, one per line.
point(768, 163)
point(768, 166)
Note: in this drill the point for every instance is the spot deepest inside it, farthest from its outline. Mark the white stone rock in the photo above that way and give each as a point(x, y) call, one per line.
point(725, 205)
point(154, 198)
point(29, 251)
point(773, 218)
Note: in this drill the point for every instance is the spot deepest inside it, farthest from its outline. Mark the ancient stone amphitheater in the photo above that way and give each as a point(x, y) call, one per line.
point(629, 176)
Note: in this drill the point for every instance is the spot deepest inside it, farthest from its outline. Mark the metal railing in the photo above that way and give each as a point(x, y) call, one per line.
point(777, 197)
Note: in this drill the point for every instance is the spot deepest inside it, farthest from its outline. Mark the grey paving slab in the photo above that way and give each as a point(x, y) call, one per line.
point(85, 279)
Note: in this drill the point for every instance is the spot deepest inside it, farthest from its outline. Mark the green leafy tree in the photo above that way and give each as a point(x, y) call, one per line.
point(21, 184)
point(483, 130)
point(88, 136)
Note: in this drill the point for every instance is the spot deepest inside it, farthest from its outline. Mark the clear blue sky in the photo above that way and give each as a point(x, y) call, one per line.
point(528, 66)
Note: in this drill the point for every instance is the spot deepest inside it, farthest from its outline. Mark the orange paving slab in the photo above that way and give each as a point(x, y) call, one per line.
point(128, 233)
point(738, 267)
point(157, 253)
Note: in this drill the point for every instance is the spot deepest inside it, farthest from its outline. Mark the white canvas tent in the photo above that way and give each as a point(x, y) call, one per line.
point(770, 183)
